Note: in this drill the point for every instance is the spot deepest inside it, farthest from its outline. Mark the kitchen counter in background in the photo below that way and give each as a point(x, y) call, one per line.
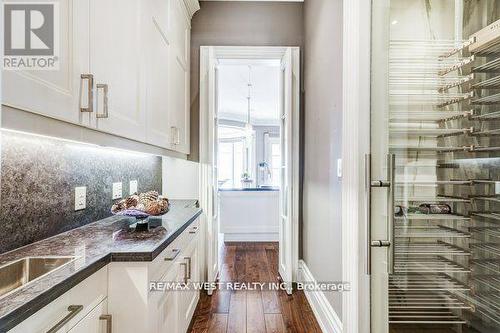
point(95, 245)
point(250, 189)
point(249, 214)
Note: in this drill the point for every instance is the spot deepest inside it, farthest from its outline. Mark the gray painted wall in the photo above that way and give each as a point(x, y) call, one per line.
point(321, 229)
point(221, 23)
point(39, 175)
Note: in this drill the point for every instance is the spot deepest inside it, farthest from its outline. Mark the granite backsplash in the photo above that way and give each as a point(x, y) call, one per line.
point(39, 176)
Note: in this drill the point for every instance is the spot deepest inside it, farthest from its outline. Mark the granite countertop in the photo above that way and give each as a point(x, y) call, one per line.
point(95, 245)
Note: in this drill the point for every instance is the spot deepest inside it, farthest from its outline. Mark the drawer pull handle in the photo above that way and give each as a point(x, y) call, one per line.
point(73, 311)
point(109, 322)
point(185, 272)
point(104, 88)
point(189, 267)
point(172, 255)
point(90, 92)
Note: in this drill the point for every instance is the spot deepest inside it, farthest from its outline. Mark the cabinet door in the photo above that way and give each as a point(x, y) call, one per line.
point(178, 89)
point(189, 299)
point(93, 323)
point(167, 306)
point(55, 93)
point(156, 49)
point(115, 60)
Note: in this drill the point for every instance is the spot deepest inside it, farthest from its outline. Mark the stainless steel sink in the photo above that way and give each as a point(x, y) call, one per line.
point(19, 273)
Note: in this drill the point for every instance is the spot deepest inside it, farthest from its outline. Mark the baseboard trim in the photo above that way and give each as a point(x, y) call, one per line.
point(326, 316)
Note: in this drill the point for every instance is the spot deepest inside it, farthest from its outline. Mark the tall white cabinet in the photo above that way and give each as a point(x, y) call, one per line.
point(124, 70)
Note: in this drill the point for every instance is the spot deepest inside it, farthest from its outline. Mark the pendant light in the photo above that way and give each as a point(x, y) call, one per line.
point(248, 125)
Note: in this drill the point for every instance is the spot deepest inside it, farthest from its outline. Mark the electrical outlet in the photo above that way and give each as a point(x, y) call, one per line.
point(133, 187)
point(80, 198)
point(117, 190)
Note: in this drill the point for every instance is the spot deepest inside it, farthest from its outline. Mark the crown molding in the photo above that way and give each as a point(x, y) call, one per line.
point(192, 7)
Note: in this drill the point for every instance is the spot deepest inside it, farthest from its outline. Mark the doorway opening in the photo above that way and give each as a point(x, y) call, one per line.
point(249, 151)
point(249, 162)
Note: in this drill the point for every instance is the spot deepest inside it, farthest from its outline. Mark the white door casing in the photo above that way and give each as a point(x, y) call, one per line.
point(208, 159)
point(285, 232)
point(290, 56)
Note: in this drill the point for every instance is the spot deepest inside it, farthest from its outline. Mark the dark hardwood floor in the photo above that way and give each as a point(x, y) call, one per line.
point(248, 311)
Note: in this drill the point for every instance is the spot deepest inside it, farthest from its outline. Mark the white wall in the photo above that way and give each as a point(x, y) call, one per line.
point(239, 23)
point(180, 178)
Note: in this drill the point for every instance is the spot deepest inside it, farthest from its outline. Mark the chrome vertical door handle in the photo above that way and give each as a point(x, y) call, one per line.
point(391, 176)
point(109, 322)
point(104, 88)
point(368, 220)
point(90, 92)
point(390, 185)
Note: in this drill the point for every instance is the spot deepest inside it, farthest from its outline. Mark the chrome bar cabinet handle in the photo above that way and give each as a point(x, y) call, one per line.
point(104, 88)
point(183, 264)
point(73, 311)
point(90, 92)
point(172, 255)
point(173, 135)
point(109, 322)
point(177, 136)
point(189, 267)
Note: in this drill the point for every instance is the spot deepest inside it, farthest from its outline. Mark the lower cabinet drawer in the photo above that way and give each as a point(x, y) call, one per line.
point(69, 308)
point(97, 321)
point(163, 262)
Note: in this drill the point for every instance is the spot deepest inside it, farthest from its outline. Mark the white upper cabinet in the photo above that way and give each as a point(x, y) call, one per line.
point(54, 93)
point(156, 49)
point(178, 88)
point(116, 63)
point(134, 55)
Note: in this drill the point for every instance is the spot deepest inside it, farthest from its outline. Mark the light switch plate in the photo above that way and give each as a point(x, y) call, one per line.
point(117, 190)
point(80, 197)
point(339, 168)
point(133, 187)
point(497, 187)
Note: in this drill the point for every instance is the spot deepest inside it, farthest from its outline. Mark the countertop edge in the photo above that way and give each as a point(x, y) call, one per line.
point(29, 308)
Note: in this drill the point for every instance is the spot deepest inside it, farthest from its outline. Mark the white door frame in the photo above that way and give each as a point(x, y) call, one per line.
point(355, 144)
point(209, 54)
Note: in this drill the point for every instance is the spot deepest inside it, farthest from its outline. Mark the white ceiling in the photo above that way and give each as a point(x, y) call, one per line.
point(233, 91)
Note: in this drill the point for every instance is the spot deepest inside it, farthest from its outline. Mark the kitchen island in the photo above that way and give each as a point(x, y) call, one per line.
point(249, 214)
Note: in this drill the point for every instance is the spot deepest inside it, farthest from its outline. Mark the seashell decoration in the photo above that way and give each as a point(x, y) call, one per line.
point(150, 203)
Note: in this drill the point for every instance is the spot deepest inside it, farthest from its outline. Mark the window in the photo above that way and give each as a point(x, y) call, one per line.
point(275, 162)
point(273, 159)
point(234, 156)
point(230, 163)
